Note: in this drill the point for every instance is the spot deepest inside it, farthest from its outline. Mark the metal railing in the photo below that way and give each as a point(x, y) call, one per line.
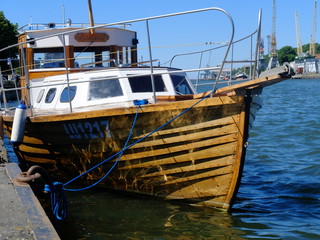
point(228, 46)
point(252, 61)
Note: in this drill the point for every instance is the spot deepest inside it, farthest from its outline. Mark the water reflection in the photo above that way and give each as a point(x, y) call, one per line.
point(97, 214)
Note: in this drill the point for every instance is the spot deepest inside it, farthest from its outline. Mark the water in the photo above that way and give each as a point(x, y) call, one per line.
point(279, 197)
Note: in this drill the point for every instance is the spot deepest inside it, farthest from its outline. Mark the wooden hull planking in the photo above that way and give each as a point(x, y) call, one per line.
point(196, 158)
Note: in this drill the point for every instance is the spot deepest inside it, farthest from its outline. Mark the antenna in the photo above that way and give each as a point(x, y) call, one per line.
point(63, 14)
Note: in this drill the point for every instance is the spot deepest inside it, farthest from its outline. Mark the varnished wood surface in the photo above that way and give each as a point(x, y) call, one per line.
point(198, 157)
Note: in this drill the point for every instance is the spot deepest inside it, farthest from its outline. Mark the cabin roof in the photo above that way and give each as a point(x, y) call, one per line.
point(75, 37)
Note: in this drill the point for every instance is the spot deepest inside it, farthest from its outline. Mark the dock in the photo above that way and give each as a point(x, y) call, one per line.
point(21, 214)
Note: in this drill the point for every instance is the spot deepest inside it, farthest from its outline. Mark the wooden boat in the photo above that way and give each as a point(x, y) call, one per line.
point(160, 136)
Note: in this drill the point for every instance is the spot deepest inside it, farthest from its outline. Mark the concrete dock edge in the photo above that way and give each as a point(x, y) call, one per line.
point(21, 214)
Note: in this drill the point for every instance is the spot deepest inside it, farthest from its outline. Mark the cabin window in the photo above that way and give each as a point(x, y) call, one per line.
point(100, 89)
point(64, 97)
point(50, 59)
point(88, 59)
point(40, 96)
point(143, 84)
point(181, 86)
point(50, 95)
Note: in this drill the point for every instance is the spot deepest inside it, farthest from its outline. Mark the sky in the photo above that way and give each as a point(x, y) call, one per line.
point(243, 12)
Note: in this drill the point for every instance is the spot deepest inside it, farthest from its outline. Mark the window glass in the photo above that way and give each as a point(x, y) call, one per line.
point(48, 59)
point(143, 84)
point(65, 93)
point(50, 95)
point(181, 85)
point(40, 95)
point(100, 89)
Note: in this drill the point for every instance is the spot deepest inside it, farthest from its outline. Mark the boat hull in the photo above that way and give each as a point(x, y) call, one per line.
point(196, 158)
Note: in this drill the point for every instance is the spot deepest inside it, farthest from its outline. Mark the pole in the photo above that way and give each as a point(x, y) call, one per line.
point(91, 16)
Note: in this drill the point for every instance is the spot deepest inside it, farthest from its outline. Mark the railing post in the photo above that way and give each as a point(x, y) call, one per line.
point(251, 76)
point(3, 92)
point(151, 64)
point(257, 55)
point(26, 74)
point(67, 70)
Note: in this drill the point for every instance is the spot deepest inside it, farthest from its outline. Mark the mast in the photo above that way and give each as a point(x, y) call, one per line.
point(90, 16)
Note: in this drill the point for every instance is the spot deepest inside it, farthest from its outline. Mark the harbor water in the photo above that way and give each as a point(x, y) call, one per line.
point(279, 197)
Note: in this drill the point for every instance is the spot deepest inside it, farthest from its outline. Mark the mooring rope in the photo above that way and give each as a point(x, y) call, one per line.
point(112, 167)
point(58, 197)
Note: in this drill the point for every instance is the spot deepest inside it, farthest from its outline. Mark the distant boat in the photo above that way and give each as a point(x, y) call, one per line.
point(240, 76)
point(164, 138)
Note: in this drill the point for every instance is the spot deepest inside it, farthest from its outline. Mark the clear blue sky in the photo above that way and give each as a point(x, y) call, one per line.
point(244, 13)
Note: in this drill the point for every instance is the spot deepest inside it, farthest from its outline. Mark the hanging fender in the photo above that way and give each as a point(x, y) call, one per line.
point(19, 122)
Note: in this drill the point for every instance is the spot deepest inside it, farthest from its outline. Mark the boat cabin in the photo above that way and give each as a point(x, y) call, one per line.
point(104, 47)
point(90, 69)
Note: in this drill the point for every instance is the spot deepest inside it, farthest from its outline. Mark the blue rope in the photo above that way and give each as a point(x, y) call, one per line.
point(112, 167)
point(58, 198)
point(139, 140)
point(57, 195)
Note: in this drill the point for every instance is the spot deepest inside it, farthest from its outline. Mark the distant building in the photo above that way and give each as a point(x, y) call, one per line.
point(306, 65)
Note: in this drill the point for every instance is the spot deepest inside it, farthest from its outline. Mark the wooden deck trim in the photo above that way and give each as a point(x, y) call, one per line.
point(187, 146)
point(216, 151)
point(229, 129)
point(239, 161)
point(208, 124)
point(215, 172)
point(256, 83)
point(129, 110)
point(221, 162)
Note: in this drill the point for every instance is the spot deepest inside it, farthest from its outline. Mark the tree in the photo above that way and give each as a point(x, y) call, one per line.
point(8, 32)
point(306, 48)
point(286, 54)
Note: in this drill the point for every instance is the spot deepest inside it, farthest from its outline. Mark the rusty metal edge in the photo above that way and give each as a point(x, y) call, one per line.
point(41, 225)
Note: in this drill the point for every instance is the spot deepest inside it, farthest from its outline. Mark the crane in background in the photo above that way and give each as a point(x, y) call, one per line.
point(273, 62)
point(299, 44)
point(313, 35)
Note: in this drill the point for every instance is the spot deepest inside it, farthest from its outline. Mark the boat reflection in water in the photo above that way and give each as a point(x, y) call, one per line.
point(101, 215)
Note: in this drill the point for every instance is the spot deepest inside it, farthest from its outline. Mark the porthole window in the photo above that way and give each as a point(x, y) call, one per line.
point(50, 95)
point(65, 94)
point(40, 96)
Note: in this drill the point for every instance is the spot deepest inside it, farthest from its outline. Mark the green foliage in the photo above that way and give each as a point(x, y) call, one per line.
point(8, 32)
point(306, 48)
point(286, 54)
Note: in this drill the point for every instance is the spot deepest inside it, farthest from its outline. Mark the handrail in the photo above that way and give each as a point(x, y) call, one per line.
point(210, 49)
point(257, 31)
point(63, 33)
point(109, 60)
point(116, 23)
